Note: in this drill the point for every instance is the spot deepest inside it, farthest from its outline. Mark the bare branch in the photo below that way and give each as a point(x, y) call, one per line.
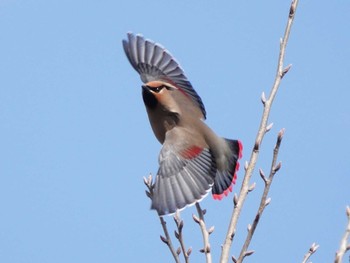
point(178, 234)
point(262, 131)
point(205, 233)
point(264, 200)
point(312, 250)
point(344, 245)
point(167, 240)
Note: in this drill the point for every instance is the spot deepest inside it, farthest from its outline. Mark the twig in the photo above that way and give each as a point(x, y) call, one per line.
point(264, 200)
point(344, 245)
point(312, 250)
point(205, 232)
point(178, 234)
point(262, 130)
point(166, 240)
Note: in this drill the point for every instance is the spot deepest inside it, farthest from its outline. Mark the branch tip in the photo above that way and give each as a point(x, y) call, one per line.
point(292, 9)
point(195, 218)
point(235, 199)
point(280, 135)
point(164, 239)
point(262, 175)
point(314, 247)
point(148, 180)
point(252, 187)
point(267, 202)
point(234, 259)
point(145, 181)
point(249, 227)
point(269, 127)
point(348, 211)
point(149, 185)
point(246, 165)
point(248, 253)
point(211, 230)
point(179, 223)
point(263, 98)
point(312, 250)
point(261, 172)
point(277, 167)
point(178, 251)
point(285, 70)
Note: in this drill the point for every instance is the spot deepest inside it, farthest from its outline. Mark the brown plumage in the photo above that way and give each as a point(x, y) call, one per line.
point(193, 159)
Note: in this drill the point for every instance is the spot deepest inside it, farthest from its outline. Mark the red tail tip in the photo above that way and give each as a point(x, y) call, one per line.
point(240, 145)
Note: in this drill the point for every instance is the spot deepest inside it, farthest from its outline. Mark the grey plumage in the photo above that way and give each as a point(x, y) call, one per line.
point(181, 182)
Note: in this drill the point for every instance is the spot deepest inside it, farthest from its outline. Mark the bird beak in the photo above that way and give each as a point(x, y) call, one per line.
point(145, 88)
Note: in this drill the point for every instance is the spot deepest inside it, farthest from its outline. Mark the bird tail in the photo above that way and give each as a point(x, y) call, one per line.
point(224, 180)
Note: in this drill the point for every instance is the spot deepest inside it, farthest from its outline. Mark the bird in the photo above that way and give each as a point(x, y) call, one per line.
point(193, 160)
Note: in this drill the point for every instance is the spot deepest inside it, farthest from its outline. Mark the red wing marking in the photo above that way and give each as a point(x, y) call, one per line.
point(191, 152)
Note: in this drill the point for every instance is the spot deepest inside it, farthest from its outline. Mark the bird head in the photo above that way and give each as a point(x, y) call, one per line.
point(161, 93)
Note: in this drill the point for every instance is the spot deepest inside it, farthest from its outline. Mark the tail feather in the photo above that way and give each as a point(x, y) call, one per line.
point(224, 180)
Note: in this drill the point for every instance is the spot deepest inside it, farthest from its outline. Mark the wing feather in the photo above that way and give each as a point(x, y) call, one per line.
point(154, 62)
point(181, 181)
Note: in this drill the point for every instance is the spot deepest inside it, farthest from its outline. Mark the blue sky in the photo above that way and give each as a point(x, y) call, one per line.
point(76, 142)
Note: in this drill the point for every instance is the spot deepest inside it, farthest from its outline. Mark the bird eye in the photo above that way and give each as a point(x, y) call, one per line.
point(158, 89)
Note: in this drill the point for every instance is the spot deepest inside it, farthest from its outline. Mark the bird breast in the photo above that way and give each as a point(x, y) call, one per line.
point(162, 121)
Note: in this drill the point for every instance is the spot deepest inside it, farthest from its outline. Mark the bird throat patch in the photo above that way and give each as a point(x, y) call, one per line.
point(149, 99)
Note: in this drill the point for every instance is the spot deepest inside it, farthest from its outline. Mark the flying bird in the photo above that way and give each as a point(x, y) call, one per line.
point(193, 159)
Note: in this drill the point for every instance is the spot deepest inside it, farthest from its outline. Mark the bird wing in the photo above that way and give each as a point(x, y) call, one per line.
point(185, 176)
point(154, 62)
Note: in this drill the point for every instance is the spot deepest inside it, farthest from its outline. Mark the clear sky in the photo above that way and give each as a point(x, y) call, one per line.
point(75, 141)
